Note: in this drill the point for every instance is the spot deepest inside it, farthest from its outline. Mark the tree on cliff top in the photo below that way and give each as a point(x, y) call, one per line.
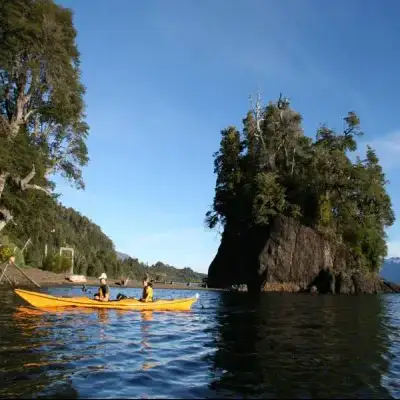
point(42, 128)
point(271, 169)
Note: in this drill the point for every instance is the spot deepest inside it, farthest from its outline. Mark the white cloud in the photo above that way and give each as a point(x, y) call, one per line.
point(394, 248)
point(387, 149)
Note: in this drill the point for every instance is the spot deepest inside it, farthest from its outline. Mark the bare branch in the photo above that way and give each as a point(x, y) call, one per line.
point(25, 185)
point(257, 109)
point(256, 106)
point(49, 128)
point(28, 178)
point(56, 163)
point(37, 187)
point(28, 114)
point(50, 170)
point(36, 126)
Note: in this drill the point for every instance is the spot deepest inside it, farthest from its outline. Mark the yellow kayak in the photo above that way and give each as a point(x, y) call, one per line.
point(41, 300)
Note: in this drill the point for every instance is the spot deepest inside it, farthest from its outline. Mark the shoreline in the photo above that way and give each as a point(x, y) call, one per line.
point(135, 285)
point(52, 279)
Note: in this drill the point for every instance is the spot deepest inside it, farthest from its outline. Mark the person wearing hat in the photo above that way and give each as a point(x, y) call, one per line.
point(104, 291)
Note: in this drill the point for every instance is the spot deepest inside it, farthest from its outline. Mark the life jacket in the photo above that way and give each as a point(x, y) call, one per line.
point(147, 294)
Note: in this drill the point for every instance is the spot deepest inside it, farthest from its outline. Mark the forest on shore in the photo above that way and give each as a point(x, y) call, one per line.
point(43, 134)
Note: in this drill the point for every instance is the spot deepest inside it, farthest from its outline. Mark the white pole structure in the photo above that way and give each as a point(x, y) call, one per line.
point(26, 244)
point(45, 247)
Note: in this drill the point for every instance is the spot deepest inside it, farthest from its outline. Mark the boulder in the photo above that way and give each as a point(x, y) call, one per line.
point(344, 283)
point(76, 278)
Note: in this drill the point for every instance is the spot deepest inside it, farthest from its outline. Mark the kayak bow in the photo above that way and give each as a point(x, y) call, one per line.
point(41, 300)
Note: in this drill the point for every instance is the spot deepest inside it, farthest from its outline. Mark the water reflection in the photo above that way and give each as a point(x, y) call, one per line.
point(301, 346)
point(23, 335)
point(235, 346)
point(146, 317)
point(56, 340)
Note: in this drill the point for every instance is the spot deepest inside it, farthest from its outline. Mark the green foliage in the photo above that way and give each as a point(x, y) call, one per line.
point(42, 219)
point(19, 257)
point(271, 169)
point(160, 271)
point(9, 249)
point(57, 263)
point(325, 211)
point(42, 127)
point(46, 222)
point(5, 253)
point(269, 199)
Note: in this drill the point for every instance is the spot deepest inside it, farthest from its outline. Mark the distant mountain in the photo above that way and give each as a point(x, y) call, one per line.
point(159, 271)
point(391, 270)
point(122, 256)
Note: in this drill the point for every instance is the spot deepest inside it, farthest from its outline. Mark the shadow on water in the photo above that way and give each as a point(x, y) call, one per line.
point(301, 347)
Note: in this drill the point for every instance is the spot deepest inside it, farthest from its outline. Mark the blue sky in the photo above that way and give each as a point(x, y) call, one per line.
point(164, 77)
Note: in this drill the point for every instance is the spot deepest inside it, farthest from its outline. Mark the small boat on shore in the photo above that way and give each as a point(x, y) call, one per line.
point(42, 300)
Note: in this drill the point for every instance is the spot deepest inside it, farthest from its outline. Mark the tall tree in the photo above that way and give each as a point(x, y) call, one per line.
point(42, 127)
point(227, 168)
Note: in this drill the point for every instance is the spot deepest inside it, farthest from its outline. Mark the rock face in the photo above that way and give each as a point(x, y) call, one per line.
point(290, 253)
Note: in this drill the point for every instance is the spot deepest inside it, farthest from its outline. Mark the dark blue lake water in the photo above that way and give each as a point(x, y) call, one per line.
point(229, 345)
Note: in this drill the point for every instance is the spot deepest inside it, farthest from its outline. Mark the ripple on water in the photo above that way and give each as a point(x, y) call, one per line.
point(229, 346)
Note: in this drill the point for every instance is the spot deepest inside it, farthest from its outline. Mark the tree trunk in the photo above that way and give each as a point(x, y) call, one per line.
point(21, 111)
point(3, 179)
point(2, 225)
point(5, 214)
point(6, 217)
point(294, 152)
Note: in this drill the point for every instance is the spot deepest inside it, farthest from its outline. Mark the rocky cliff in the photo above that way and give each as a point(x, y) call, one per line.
point(291, 256)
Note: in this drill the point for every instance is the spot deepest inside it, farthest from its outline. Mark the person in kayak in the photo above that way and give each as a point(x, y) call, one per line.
point(104, 291)
point(147, 295)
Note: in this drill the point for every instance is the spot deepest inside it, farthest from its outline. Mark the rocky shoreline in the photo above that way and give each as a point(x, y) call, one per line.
point(287, 256)
point(355, 286)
